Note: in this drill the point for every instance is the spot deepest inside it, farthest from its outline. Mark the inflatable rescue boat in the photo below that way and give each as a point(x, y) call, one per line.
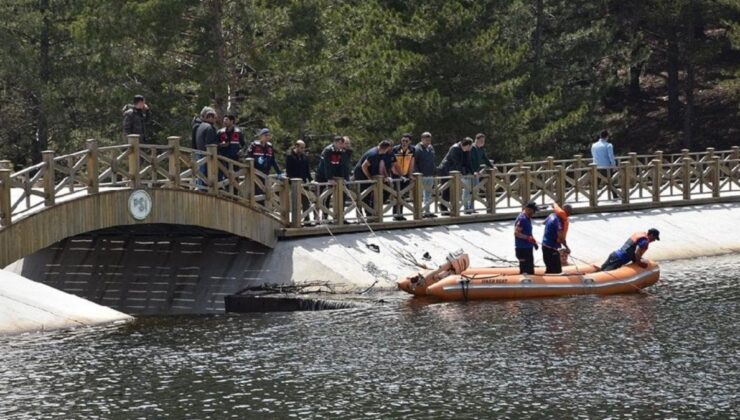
point(455, 281)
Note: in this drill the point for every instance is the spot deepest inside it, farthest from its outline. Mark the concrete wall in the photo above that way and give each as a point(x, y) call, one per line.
point(686, 232)
point(26, 305)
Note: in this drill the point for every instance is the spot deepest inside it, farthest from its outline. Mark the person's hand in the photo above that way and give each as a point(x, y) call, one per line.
point(146, 107)
point(389, 180)
point(533, 241)
point(642, 264)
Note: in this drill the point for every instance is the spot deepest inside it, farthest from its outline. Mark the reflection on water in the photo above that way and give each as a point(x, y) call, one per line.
point(670, 352)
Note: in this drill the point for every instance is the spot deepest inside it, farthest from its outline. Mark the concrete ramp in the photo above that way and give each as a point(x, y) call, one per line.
point(26, 306)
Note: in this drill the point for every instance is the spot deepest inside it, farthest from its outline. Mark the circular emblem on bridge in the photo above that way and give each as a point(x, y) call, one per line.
point(140, 204)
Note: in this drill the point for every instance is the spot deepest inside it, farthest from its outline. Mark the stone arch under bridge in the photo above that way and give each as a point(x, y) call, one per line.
point(108, 209)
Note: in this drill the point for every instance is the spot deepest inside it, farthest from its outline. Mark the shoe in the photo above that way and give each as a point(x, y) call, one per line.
point(429, 215)
point(445, 213)
point(399, 218)
point(470, 212)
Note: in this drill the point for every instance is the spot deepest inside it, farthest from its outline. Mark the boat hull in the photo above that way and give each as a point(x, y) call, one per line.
point(630, 278)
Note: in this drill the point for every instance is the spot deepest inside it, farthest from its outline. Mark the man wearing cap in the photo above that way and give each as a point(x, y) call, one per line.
point(556, 229)
point(632, 250)
point(523, 239)
point(263, 154)
point(424, 161)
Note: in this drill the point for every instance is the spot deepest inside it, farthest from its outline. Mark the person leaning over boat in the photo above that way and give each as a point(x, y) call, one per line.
point(556, 230)
point(632, 250)
point(524, 241)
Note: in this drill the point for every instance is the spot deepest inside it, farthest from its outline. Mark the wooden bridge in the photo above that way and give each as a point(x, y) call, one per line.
point(100, 187)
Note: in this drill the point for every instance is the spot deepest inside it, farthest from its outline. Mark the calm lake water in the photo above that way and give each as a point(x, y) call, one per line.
point(673, 352)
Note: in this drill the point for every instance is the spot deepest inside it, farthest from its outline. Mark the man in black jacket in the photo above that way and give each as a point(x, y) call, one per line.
point(204, 134)
point(424, 162)
point(457, 159)
point(135, 118)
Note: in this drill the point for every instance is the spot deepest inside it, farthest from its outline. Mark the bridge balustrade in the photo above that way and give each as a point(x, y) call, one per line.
point(639, 181)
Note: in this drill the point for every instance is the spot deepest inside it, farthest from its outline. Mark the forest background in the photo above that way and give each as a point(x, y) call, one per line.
point(539, 77)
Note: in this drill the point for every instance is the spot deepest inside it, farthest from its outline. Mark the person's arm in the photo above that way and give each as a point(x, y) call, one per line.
point(326, 158)
point(211, 137)
point(561, 236)
point(610, 152)
point(366, 168)
point(128, 122)
point(639, 252)
point(411, 167)
point(275, 164)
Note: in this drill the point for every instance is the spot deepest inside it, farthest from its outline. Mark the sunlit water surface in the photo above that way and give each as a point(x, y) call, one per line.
point(672, 352)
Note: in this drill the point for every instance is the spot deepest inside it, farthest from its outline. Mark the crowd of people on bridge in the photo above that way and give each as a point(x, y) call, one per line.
point(395, 163)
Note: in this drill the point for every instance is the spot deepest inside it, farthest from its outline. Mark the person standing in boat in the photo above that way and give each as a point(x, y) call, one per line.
point(524, 242)
point(556, 230)
point(632, 250)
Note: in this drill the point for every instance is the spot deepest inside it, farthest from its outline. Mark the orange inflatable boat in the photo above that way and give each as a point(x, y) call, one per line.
point(626, 279)
point(457, 265)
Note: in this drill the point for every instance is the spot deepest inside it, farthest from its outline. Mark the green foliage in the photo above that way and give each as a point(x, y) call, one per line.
point(368, 69)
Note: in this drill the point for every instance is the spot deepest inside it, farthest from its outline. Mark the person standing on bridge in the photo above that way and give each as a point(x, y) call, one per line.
point(204, 133)
point(602, 153)
point(632, 250)
point(405, 157)
point(296, 167)
point(135, 118)
point(524, 242)
point(230, 138)
point(556, 230)
point(262, 152)
point(424, 161)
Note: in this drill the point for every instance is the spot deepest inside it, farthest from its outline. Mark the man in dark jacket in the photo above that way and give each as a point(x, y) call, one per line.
point(457, 159)
point(424, 161)
point(296, 166)
point(478, 161)
point(262, 152)
point(332, 163)
point(379, 160)
point(135, 118)
point(230, 138)
point(204, 134)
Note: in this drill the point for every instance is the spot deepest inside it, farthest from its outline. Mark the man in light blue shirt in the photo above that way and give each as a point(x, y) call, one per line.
point(603, 154)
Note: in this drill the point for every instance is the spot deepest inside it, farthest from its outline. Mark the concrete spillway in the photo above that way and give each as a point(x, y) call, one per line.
point(26, 305)
point(160, 269)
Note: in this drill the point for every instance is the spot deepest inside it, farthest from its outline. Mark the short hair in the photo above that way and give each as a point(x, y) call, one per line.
point(479, 135)
point(230, 116)
point(406, 135)
point(299, 141)
point(339, 139)
point(206, 111)
point(385, 144)
point(604, 134)
point(138, 98)
point(426, 134)
point(467, 141)
point(568, 208)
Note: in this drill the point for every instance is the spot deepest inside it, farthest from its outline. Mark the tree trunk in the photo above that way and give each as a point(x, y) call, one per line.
point(688, 118)
point(537, 41)
point(633, 89)
point(219, 78)
point(41, 137)
point(674, 105)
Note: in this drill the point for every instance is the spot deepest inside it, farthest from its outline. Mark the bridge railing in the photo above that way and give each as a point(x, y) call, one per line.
point(638, 180)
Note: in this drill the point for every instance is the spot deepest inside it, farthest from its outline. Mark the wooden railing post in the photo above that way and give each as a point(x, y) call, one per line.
point(418, 198)
point(491, 191)
point(659, 155)
point(525, 181)
point(249, 182)
point(593, 198)
point(455, 193)
point(93, 185)
point(174, 163)
point(684, 153)
point(715, 176)
point(338, 198)
point(561, 184)
point(296, 209)
point(269, 192)
point(710, 154)
point(212, 168)
point(657, 179)
point(5, 217)
point(6, 164)
point(686, 177)
point(378, 197)
point(49, 183)
point(285, 203)
point(578, 160)
point(735, 153)
point(625, 171)
point(133, 161)
point(550, 164)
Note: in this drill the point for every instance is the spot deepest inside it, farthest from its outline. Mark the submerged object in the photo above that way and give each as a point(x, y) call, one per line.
point(629, 278)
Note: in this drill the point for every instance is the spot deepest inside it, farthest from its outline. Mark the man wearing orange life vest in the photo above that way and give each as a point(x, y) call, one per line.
point(556, 230)
point(632, 250)
point(405, 165)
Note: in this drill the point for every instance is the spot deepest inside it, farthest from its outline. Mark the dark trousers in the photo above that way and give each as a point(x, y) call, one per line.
point(613, 262)
point(611, 190)
point(399, 185)
point(526, 260)
point(552, 260)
